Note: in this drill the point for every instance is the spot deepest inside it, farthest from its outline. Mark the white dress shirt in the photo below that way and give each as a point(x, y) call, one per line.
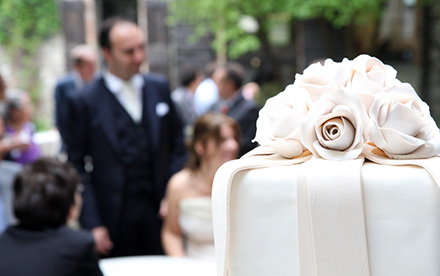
point(121, 89)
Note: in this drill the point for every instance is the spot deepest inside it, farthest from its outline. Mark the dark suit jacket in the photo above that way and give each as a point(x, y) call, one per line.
point(65, 88)
point(246, 114)
point(92, 132)
point(47, 252)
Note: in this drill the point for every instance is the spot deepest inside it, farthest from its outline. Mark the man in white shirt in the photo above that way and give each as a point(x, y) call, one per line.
point(126, 124)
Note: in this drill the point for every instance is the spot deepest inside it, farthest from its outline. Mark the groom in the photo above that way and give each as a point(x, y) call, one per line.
point(126, 125)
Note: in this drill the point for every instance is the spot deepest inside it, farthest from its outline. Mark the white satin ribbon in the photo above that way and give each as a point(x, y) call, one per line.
point(221, 189)
point(431, 165)
point(332, 237)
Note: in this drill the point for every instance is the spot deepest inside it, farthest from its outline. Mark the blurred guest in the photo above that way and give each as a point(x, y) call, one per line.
point(45, 198)
point(2, 96)
point(83, 59)
point(126, 123)
point(183, 96)
point(206, 92)
point(250, 90)
point(19, 129)
point(229, 80)
point(8, 171)
point(188, 229)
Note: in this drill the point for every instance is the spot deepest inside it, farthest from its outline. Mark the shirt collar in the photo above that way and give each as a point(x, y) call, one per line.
point(114, 83)
point(77, 79)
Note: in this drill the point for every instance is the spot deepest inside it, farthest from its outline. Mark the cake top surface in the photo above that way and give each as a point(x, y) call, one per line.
point(334, 108)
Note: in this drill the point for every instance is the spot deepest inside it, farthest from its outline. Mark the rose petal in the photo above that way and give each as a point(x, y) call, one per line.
point(336, 154)
point(337, 134)
point(287, 148)
point(400, 143)
point(403, 119)
point(371, 76)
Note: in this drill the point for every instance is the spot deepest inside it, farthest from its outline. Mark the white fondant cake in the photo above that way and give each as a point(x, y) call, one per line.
point(402, 211)
point(346, 181)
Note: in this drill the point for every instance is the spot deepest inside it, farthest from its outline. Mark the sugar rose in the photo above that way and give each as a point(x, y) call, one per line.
point(279, 121)
point(402, 125)
point(370, 75)
point(318, 79)
point(336, 126)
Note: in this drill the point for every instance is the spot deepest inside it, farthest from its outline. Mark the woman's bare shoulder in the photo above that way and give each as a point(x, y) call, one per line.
point(180, 181)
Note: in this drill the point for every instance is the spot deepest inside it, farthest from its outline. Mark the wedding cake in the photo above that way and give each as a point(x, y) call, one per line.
point(345, 181)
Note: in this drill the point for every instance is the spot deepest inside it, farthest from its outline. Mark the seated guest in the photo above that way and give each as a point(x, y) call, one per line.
point(188, 229)
point(45, 198)
point(3, 88)
point(19, 128)
point(8, 171)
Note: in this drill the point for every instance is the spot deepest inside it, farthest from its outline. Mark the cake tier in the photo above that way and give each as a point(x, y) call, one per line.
point(402, 210)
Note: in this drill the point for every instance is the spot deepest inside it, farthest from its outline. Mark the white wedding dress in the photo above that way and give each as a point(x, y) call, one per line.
point(195, 220)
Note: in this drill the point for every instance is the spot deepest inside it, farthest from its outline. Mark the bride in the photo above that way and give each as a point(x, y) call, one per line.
point(187, 229)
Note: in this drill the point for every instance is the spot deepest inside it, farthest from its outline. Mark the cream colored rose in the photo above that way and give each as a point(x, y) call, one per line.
point(371, 76)
point(402, 125)
point(279, 120)
point(318, 79)
point(336, 127)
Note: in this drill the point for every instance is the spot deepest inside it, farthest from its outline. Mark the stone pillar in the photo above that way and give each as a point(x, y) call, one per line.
point(142, 18)
point(79, 24)
point(90, 23)
point(72, 17)
point(157, 31)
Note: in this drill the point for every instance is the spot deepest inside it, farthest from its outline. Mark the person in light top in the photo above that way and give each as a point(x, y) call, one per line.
point(19, 129)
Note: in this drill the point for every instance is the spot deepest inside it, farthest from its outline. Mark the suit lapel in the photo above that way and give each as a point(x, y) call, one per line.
point(234, 107)
point(150, 100)
point(107, 115)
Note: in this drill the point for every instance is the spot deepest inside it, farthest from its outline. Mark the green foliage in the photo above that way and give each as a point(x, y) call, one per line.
point(26, 23)
point(221, 17)
point(268, 90)
point(338, 12)
point(217, 16)
point(42, 124)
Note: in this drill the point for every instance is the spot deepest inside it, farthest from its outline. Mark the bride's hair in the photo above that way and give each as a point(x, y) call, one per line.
point(205, 128)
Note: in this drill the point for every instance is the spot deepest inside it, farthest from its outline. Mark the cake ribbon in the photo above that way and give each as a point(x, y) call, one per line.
point(260, 158)
point(332, 237)
point(431, 165)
